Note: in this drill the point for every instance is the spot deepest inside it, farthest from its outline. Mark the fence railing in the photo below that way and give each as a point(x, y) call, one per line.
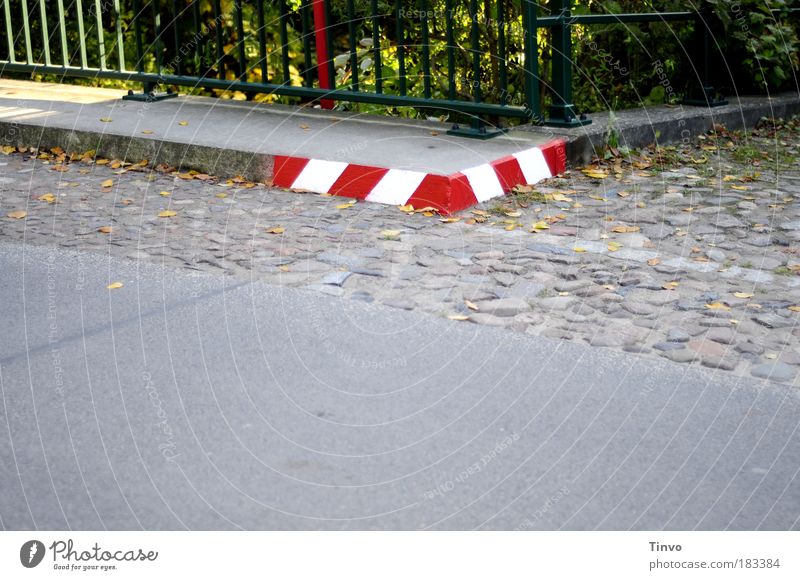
point(453, 55)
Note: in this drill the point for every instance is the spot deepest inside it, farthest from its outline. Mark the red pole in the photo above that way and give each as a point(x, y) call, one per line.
point(321, 35)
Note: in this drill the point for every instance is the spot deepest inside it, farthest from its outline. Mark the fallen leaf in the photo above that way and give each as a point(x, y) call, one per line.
point(164, 193)
point(458, 317)
point(8, 149)
point(344, 206)
point(671, 285)
point(596, 174)
point(717, 306)
point(743, 294)
point(147, 132)
point(221, 195)
point(106, 119)
point(167, 213)
point(104, 230)
point(283, 268)
point(794, 308)
point(115, 285)
point(107, 183)
point(390, 234)
point(276, 230)
point(654, 262)
point(48, 197)
point(542, 225)
point(512, 213)
point(563, 293)
point(18, 214)
point(579, 250)
point(625, 229)
point(449, 220)
point(183, 123)
point(623, 193)
point(471, 305)
point(407, 208)
point(304, 127)
point(740, 187)
point(614, 246)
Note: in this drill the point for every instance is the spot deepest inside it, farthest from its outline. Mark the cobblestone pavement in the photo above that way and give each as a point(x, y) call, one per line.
point(687, 252)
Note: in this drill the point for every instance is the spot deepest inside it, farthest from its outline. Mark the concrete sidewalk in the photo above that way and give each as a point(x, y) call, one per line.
point(226, 138)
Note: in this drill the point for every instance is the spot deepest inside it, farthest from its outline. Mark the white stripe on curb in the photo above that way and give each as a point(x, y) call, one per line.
point(533, 165)
point(484, 182)
point(396, 187)
point(319, 175)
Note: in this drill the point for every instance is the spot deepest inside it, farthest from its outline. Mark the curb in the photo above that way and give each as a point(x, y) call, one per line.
point(446, 193)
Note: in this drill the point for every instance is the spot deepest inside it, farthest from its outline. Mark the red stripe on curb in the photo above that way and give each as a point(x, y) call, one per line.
point(286, 170)
point(357, 181)
point(434, 191)
point(461, 194)
point(508, 172)
point(555, 153)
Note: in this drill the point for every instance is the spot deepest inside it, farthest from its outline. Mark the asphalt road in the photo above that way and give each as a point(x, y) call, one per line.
point(210, 402)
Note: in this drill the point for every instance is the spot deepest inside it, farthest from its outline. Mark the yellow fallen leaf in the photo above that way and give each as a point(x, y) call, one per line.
point(8, 149)
point(48, 197)
point(221, 195)
point(147, 132)
point(754, 306)
point(458, 317)
point(390, 234)
point(743, 294)
point(654, 262)
point(164, 193)
point(794, 308)
point(729, 178)
point(449, 220)
point(407, 208)
point(625, 229)
point(344, 206)
point(670, 285)
point(277, 230)
point(623, 193)
point(542, 225)
point(717, 306)
point(167, 213)
point(510, 227)
point(304, 127)
point(740, 187)
point(283, 268)
point(512, 213)
point(596, 174)
point(471, 305)
point(18, 214)
point(115, 285)
point(104, 230)
point(106, 119)
point(183, 123)
point(107, 183)
point(614, 246)
point(563, 293)
point(579, 250)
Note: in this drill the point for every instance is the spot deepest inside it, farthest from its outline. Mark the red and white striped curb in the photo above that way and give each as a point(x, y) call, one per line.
point(446, 193)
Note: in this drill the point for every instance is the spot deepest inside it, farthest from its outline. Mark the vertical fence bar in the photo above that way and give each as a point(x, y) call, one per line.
point(174, 24)
point(475, 50)
point(45, 34)
point(284, 42)
point(137, 33)
point(9, 37)
point(501, 49)
point(27, 30)
point(81, 33)
point(198, 36)
point(531, 68)
point(426, 51)
point(262, 42)
point(451, 47)
point(101, 42)
point(351, 37)
point(62, 27)
point(306, 34)
point(401, 49)
point(120, 40)
point(376, 48)
point(706, 95)
point(237, 4)
point(218, 31)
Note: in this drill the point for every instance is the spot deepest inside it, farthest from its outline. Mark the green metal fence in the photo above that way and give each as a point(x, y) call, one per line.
point(450, 55)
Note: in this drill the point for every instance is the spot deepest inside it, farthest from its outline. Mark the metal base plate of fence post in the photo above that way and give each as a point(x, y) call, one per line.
point(477, 129)
point(149, 96)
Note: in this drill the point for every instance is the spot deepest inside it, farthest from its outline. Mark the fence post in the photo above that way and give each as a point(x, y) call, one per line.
point(531, 71)
point(706, 96)
point(323, 57)
point(562, 111)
